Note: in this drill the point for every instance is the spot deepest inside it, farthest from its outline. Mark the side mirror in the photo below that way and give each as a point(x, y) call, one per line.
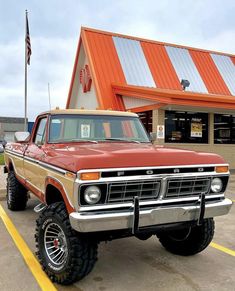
point(22, 136)
point(1, 149)
point(153, 136)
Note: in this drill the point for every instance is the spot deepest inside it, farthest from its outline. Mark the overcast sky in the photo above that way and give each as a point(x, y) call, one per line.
point(55, 28)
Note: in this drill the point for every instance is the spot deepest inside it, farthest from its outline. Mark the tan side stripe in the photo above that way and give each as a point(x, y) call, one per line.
point(223, 249)
point(34, 266)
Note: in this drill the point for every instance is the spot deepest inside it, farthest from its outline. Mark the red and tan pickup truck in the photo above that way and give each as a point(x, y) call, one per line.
point(99, 177)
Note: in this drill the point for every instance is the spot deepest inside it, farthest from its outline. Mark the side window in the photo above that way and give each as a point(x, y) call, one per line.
point(56, 129)
point(40, 135)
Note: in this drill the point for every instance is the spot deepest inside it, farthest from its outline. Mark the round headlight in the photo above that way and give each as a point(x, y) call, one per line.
point(216, 185)
point(92, 194)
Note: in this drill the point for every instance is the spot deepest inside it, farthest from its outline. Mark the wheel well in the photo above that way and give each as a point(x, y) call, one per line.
point(10, 167)
point(53, 195)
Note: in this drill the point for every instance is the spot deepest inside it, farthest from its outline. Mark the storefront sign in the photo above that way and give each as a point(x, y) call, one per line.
point(160, 132)
point(85, 79)
point(196, 127)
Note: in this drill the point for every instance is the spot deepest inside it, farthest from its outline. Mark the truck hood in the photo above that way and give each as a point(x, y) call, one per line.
point(119, 155)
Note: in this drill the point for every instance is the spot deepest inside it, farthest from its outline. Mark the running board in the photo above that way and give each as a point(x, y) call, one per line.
point(39, 207)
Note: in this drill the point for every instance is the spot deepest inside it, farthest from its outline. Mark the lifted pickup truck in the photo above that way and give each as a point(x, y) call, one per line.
point(99, 178)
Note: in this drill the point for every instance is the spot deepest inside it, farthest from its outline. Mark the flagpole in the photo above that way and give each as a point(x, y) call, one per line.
point(49, 96)
point(25, 76)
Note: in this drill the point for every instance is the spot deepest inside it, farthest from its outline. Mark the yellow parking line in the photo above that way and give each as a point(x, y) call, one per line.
point(34, 266)
point(223, 249)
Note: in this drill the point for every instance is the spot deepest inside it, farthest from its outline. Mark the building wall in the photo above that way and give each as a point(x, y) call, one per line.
point(132, 102)
point(86, 100)
point(8, 127)
point(227, 151)
point(80, 99)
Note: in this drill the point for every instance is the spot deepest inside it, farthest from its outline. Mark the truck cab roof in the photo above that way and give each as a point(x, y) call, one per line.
point(90, 112)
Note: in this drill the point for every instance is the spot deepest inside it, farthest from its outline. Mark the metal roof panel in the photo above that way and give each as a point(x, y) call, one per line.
point(106, 66)
point(233, 59)
point(186, 69)
point(133, 62)
point(209, 73)
point(160, 65)
point(226, 68)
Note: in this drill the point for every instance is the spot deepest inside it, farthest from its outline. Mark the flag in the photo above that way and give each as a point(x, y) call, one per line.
point(27, 42)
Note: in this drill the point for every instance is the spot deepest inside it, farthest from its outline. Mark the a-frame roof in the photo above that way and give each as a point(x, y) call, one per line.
point(153, 70)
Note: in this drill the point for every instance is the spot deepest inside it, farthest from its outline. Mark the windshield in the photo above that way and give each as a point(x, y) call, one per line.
point(95, 128)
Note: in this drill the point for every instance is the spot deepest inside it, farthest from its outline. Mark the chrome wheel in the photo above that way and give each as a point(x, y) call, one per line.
point(55, 244)
point(64, 255)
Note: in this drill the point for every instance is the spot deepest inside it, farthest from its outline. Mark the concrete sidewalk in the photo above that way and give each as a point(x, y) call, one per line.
point(13, 268)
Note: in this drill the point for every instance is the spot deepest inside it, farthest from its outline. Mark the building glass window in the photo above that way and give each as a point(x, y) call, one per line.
point(186, 127)
point(146, 117)
point(224, 129)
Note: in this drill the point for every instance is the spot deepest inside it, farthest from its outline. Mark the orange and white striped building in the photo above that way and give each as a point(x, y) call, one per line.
point(120, 72)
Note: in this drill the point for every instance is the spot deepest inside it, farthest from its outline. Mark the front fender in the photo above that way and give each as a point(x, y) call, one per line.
point(59, 186)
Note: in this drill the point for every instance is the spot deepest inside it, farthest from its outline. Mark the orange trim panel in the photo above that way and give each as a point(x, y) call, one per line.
point(209, 73)
point(233, 59)
point(107, 67)
point(177, 97)
point(151, 41)
point(160, 66)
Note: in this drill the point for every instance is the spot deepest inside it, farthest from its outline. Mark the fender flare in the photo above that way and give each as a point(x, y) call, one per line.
point(59, 186)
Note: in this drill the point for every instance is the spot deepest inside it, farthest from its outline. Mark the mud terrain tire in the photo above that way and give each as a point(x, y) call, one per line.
point(55, 234)
point(17, 194)
point(189, 241)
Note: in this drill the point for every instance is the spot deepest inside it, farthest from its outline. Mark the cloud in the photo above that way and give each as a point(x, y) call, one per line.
point(11, 62)
point(51, 62)
point(222, 42)
point(55, 27)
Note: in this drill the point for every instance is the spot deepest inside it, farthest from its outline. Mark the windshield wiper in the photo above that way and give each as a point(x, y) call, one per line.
point(83, 140)
point(122, 140)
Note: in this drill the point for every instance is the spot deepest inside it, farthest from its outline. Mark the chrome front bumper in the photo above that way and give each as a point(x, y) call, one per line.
point(101, 221)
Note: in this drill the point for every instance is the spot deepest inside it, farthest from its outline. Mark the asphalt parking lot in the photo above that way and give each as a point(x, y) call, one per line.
point(129, 264)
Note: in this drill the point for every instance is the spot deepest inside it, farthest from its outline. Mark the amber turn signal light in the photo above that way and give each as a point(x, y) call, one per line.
point(90, 176)
point(221, 169)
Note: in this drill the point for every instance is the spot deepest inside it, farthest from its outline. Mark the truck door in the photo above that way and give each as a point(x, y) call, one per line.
point(18, 162)
point(33, 172)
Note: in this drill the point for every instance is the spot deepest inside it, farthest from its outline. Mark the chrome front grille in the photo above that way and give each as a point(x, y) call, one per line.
point(185, 187)
point(126, 191)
